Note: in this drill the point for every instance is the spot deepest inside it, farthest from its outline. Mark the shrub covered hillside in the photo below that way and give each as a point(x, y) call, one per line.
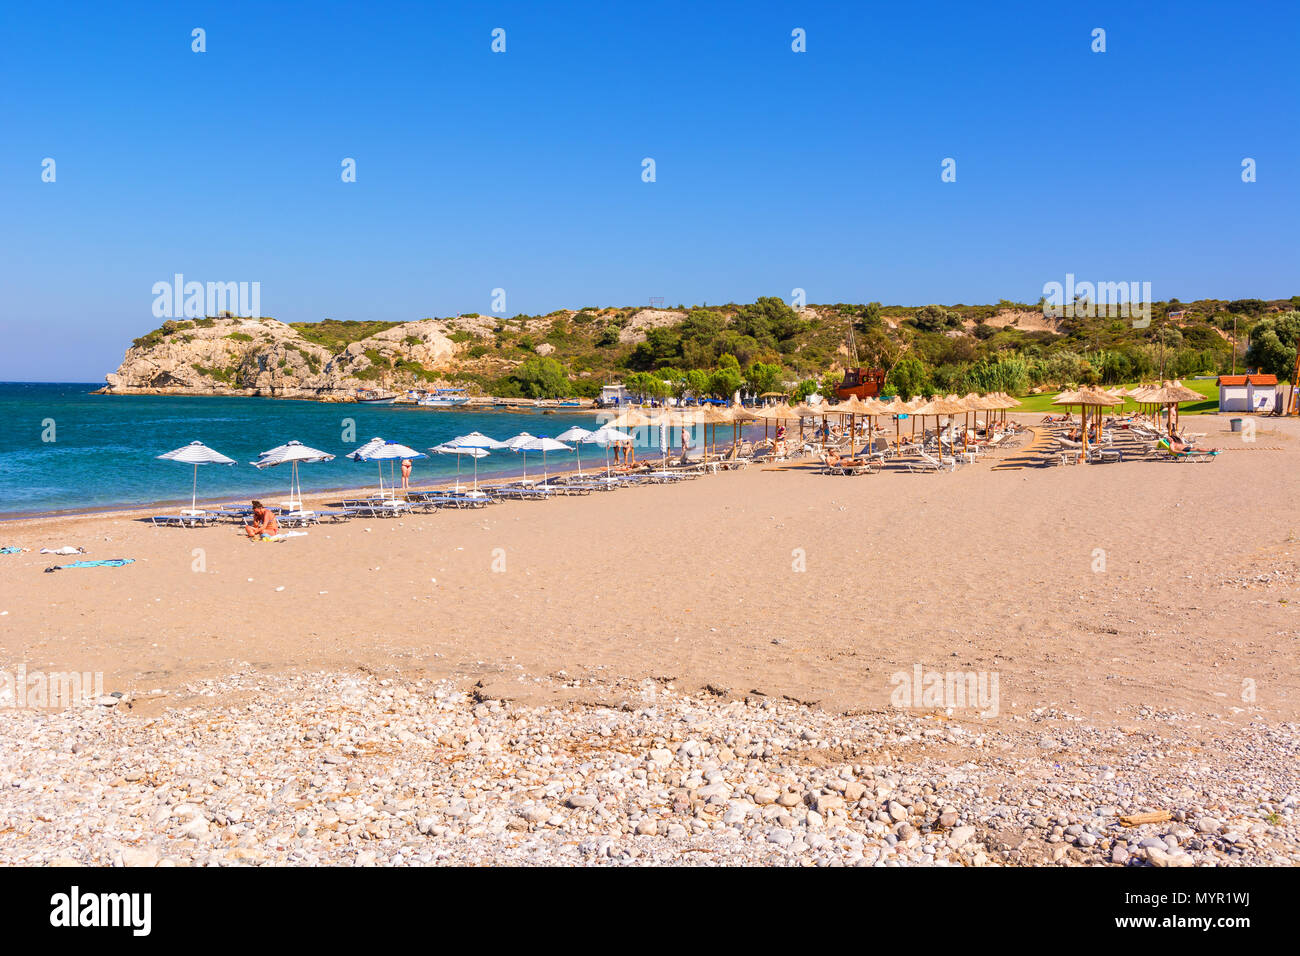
point(715, 350)
point(768, 346)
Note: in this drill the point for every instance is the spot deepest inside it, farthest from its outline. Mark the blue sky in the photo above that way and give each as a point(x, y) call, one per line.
point(522, 170)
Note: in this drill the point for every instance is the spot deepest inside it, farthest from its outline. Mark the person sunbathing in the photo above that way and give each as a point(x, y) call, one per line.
point(264, 523)
point(833, 460)
point(1182, 447)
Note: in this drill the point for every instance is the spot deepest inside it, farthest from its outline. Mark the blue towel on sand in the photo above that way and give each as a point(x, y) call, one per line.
point(103, 563)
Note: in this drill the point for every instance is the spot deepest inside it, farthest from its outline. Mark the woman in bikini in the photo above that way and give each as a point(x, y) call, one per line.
point(264, 523)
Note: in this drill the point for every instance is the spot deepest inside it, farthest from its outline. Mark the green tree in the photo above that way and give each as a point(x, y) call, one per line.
point(1273, 344)
point(804, 389)
point(697, 382)
point(541, 377)
point(909, 376)
point(763, 377)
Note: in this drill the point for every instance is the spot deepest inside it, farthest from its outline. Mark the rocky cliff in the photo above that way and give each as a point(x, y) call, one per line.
point(264, 357)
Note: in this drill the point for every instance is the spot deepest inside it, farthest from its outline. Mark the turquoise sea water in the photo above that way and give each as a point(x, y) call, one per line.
point(104, 447)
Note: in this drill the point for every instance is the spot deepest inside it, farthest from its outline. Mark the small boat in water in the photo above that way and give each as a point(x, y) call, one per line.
point(445, 398)
point(370, 396)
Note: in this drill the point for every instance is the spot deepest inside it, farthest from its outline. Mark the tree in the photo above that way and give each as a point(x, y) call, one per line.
point(769, 320)
point(541, 377)
point(1273, 344)
point(724, 382)
point(763, 377)
point(932, 318)
point(804, 389)
point(909, 376)
point(697, 382)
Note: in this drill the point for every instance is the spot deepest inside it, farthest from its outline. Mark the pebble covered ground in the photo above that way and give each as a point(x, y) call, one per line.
point(339, 769)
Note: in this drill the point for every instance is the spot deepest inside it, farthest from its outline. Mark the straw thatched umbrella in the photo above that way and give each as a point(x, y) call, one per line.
point(715, 416)
point(975, 403)
point(629, 418)
point(777, 412)
point(1010, 402)
point(852, 407)
point(1171, 395)
point(938, 407)
point(1087, 398)
point(998, 402)
point(896, 406)
point(739, 415)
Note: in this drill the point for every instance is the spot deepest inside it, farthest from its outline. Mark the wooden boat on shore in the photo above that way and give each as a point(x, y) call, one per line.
point(862, 382)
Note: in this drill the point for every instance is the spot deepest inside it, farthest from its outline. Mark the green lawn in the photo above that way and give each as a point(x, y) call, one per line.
point(1207, 387)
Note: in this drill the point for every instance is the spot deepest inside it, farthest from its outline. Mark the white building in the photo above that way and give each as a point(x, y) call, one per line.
point(1247, 393)
point(614, 394)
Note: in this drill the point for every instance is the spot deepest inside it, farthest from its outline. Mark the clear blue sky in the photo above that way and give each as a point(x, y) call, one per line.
point(522, 170)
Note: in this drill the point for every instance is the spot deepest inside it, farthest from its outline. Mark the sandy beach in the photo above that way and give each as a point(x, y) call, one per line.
point(697, 583)
point(1099, 596)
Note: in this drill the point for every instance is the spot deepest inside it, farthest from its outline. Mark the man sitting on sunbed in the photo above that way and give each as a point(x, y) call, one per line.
point(264, 524)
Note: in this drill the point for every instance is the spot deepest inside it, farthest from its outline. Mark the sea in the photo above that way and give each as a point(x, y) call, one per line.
point(64, 449)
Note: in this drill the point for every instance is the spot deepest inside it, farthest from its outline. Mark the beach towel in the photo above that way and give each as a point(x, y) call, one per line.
point(66, 549)
point(103, 563)
point(12, 550)
point(283, 536)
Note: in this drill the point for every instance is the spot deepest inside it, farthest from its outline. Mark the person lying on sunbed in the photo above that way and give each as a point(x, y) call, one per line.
point(1183, 447)
point(833, 460)
point(264, 523)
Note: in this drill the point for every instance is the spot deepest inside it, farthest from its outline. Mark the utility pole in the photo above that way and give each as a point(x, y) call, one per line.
point(1234, 344)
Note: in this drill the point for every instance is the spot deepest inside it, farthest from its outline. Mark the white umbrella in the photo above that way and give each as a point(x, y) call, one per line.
point(475, 440)
point(523, 438)
point(291, 453)
point(196, 453)
point(380, 451)
point(606, 436)
point(473, 451)
point(575, 434)
point(542, 444)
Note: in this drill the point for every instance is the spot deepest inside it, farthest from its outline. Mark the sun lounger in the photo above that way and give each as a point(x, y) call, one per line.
point(845, 466)
point(519, 493)
point(459, 501)
point(1104, 455)
point(1166, 453)
point(376, 507)
point(182, 521)
point(925, 462)
point(568, 488)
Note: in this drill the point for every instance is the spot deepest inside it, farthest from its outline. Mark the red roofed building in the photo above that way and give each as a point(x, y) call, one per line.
point(1247, 393)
